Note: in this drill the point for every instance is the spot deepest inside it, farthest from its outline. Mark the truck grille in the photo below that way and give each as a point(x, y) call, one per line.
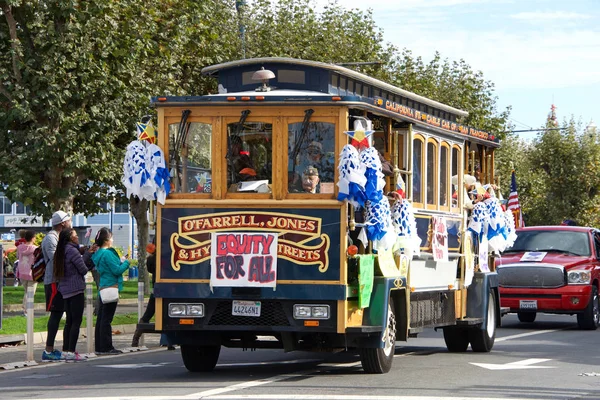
point(532, 275)
point(271, 314)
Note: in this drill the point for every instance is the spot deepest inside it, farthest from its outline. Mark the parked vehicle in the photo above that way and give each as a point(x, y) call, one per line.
point(552, 269)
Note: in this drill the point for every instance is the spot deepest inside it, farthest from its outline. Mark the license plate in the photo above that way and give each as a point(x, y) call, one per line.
point(528, 304)
point(246, 308)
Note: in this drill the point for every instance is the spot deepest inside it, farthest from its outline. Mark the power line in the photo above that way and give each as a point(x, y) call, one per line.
point(536, 130)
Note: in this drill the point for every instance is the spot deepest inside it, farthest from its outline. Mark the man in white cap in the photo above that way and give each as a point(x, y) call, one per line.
point(54, 301)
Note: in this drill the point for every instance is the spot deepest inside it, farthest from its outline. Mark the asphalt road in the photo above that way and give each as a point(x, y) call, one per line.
point(548, 359)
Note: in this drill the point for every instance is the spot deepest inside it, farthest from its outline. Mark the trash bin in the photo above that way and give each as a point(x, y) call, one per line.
point(133, 272)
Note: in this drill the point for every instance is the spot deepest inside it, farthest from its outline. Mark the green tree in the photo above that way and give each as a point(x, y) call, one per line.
point(75, 78)
point(558, 174)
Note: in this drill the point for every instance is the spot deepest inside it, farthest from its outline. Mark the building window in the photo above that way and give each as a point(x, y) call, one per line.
point(122, 207)
point(5, 205)
point(22, 210)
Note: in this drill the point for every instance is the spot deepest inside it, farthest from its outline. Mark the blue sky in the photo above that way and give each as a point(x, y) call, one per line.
point(536, 52)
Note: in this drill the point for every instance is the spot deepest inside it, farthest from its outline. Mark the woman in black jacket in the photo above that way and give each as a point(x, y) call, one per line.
point(70, 270)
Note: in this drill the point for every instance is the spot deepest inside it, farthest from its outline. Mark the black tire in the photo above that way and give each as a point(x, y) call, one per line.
point(457, 339)
point(379, 361)
point(482, 340)
point(590, 318)
point(200, 358)
point(526, 316)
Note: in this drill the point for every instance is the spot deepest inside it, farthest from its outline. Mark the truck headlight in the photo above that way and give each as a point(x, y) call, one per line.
point(579, 277)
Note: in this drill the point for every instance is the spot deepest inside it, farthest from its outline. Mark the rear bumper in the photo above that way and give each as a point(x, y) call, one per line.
point(563, 300)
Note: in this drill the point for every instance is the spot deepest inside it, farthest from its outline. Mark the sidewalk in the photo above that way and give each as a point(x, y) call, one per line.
point(13, 348)
point(12, 357)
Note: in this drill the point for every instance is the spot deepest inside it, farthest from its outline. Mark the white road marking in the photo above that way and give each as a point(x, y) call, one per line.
point(295, 397)
point(253, 364)
point(244, 385)
point(520, 335)
point(350, 397)
point(523, 364)
point(134, 366)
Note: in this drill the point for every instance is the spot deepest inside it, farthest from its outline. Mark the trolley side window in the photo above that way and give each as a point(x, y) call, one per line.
point(311, 157)
point(417, 170)
point(191, 150)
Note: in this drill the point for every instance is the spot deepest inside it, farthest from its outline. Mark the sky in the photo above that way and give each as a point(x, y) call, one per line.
point(536, 52)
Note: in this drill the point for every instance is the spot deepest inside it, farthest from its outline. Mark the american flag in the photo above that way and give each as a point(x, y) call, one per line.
point(513, 202)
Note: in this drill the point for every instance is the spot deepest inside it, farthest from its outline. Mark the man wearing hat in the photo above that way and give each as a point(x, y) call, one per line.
point(310, 180)
point(54, 301)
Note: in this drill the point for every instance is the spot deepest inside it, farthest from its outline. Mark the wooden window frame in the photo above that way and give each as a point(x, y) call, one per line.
point(420, 138)
point(436, 150)
point(445, 146)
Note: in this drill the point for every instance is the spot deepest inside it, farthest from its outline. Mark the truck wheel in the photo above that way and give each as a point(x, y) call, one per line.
point(482, 340)
point(200, 358)
point(526, 316)
point(457, 339)
point(379, 361)
point(591, 315)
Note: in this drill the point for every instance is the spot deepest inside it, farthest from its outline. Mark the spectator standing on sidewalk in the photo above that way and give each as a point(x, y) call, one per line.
point(111, 269)
point(25, 254)
point(70, 270)
point(54, 301)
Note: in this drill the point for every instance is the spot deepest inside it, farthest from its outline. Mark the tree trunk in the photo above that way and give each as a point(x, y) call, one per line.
point(139, 209)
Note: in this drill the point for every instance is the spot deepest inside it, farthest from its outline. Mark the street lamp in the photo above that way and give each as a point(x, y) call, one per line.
point(112, 192)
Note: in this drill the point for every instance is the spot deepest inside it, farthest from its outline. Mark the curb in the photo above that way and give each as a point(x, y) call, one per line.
point(42, 306)
point(40, 337)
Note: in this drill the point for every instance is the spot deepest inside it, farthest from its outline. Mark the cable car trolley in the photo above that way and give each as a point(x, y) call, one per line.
point(313, 207)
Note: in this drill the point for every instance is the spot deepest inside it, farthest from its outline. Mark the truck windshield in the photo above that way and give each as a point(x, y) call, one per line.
point(576, 243)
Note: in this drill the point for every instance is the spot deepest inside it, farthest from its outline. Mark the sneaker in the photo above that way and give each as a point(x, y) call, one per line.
point(69, 356)
point(54, 355)
point(111, 352)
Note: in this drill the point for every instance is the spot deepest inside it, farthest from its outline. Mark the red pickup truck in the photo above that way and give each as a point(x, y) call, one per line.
point(552, 269)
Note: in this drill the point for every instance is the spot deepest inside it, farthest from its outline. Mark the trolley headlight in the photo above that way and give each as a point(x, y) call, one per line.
point(195, 310)
point(176, 310)
point(179, 310)
point(311, 311)
point(579, 277)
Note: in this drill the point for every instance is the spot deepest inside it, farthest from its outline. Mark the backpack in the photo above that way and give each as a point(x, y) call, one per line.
point(38, 269)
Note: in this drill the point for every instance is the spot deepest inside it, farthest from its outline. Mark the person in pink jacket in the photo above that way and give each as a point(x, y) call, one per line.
point(25, 255)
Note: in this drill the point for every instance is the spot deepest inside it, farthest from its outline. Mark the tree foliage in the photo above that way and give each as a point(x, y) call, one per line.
point(558, 174)
point(75, 76)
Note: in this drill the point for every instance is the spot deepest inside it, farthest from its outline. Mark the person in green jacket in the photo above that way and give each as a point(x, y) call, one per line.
point(110, 267)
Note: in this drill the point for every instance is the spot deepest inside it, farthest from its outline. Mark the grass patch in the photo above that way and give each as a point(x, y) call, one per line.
point(18, 325)
point(14, 295)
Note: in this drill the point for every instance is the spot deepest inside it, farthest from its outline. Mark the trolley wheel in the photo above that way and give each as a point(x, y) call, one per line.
point(200, 358)
point(482, 340)
point(379, 360)
point(457, 339)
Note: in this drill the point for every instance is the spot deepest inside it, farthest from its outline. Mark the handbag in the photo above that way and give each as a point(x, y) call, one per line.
point(109, 295)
